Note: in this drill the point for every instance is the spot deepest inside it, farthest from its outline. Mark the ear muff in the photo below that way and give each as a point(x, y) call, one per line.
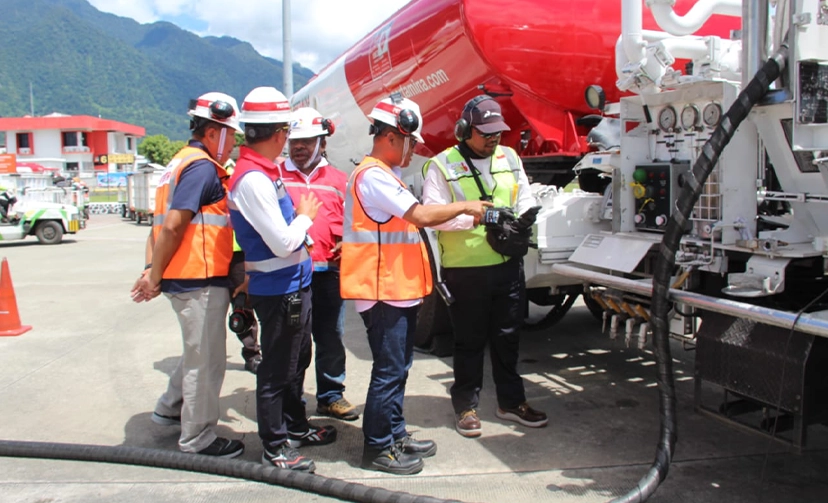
point(328, 126)
point(462, 128)
point(407, 121)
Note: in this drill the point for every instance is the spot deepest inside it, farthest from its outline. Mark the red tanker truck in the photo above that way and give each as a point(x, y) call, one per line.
point(536, 58)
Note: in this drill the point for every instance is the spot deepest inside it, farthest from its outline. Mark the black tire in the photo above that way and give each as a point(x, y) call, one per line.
point(49, 232)
point(150, 220)
point(139, 218)
point(434, 333)
point(594, 307)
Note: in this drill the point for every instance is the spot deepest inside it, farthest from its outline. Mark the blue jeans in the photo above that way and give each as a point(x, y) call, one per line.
point(391, 337)
point(328, 327)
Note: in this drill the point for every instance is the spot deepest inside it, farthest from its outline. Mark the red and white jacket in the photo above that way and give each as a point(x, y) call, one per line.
point(328, 184)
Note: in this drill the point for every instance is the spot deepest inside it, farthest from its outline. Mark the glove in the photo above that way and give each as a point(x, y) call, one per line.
point(497, 216)
point(527, 219)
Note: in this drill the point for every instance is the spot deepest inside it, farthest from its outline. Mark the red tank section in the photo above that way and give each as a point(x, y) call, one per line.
point(536, 57)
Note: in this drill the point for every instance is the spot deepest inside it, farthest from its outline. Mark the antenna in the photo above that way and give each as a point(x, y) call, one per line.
point(31, 100)
point(287, 62)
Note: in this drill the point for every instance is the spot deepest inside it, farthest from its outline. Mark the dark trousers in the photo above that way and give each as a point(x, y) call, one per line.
point(487, 310)
point(328, 328)
point(286, 354)
point(391, 338)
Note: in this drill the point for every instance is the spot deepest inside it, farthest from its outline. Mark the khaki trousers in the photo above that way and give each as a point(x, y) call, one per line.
point(195, 384)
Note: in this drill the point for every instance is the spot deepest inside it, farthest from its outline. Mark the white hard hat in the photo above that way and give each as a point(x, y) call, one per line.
point(265, 105)
point(217, 107)
point(308, 123)
point(401, 113)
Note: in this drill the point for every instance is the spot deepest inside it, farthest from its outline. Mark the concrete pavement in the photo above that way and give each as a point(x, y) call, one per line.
point(93, 366)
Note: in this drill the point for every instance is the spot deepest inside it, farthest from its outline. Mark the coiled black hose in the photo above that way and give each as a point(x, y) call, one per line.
point(694, 184)
point(246, 470)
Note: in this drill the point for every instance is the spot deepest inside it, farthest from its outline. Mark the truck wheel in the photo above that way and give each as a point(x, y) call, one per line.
point(49, 233)
point(138, 218)
point(150, 220)
point(434, 333)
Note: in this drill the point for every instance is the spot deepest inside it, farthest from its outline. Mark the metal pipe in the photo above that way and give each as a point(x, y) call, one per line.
point(806, 323)
point(287, 60)
point(632, 27)
point(754, 37)
point(688, 24)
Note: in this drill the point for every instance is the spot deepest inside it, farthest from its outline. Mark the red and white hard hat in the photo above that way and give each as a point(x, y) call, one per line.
point(265, 105)
point(401, 113)
point(217, 107)
point(306, 122)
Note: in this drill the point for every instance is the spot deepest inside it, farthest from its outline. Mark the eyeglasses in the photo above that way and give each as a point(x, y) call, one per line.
point(487, 136)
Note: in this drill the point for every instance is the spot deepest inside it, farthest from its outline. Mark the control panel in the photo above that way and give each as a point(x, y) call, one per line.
point(655, 189)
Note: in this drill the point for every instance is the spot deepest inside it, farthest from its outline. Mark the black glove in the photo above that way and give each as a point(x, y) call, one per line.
point(497, 216)
point(528, 218)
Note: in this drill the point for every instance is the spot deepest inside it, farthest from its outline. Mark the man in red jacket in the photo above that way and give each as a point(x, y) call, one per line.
point(307, 171)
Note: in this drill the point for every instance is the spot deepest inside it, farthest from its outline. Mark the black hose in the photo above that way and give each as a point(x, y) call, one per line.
point(694, 184)
point(246, 470)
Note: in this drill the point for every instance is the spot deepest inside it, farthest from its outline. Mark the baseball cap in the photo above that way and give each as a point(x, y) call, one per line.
point(487, 118)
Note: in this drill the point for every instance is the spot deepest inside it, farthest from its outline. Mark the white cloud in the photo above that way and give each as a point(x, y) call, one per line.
point(321, 29)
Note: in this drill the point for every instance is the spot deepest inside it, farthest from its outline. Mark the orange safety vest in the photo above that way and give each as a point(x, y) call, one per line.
point(380, 260)
point(207, 246)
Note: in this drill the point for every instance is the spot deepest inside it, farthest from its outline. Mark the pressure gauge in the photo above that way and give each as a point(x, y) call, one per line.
point(712, 114)
point(690, 117)
point(667, 119)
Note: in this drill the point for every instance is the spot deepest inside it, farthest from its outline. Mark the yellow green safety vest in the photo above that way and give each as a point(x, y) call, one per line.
point(469, 248)
point(229, 170)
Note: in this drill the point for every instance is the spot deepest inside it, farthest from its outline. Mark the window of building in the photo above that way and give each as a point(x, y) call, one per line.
point(25, 145)
point(75, 141)
point(129, 143)
point(70, 139)
point(72, 167)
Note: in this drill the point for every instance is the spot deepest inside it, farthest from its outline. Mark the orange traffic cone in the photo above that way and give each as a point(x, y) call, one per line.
point(9, 317)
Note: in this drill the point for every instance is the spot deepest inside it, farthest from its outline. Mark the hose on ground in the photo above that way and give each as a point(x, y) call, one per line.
point(157, 458)
point(679, 221)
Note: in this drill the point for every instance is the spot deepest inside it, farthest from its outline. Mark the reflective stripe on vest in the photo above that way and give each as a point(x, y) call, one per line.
point(380, 260)
point(469, 248)
point(314, 186)
point(207, 246)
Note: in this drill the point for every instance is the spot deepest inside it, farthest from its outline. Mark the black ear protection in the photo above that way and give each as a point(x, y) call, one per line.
point(462, 128)
point(407, 121)
point(240, 320)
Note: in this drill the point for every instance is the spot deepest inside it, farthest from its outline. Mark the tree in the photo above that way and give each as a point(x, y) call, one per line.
point(159, 149)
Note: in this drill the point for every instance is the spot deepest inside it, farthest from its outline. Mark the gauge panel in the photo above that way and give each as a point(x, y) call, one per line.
point(690, 117)
point(712, 114)
point(667, 119)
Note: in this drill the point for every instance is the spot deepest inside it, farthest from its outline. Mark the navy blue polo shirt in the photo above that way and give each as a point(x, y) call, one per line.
point(198, 186)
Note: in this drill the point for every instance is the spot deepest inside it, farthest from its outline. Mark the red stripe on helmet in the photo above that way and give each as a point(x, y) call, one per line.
point(388, 107)
point(274, 106)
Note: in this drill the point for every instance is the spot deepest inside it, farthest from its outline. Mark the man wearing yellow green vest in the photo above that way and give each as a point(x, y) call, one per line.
point(487, 285)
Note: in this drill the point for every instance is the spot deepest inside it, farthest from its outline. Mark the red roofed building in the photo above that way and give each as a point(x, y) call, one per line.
point(73, 143)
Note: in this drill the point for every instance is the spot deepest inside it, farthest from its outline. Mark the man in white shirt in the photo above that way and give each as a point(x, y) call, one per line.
point(385, 269)
point(487, 285)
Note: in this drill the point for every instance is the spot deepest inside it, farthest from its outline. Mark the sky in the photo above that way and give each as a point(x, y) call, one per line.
point(321, 29)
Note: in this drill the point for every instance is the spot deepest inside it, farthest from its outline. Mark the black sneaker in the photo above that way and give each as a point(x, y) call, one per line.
point(252, 365)
point(314, 436)
point(288, 458)
point(165, 420)
point(391, 460)
point(422, 448)
point(223, 448)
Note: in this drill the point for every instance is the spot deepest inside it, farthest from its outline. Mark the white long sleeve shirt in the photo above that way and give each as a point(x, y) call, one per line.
point(436, 191)
point(257, 201)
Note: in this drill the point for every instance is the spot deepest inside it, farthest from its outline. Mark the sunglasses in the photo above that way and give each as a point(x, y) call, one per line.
point(487, 136)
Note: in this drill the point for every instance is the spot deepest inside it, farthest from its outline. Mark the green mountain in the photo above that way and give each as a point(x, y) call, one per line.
point(79, 60)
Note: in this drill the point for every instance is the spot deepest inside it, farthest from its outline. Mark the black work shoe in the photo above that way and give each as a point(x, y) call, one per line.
point(223, 448)
point(165, 420)
point(391, 460)
point(314, 436)
point(288, 458)
point(525, 415)
point(422, 448)
point(252, 365)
